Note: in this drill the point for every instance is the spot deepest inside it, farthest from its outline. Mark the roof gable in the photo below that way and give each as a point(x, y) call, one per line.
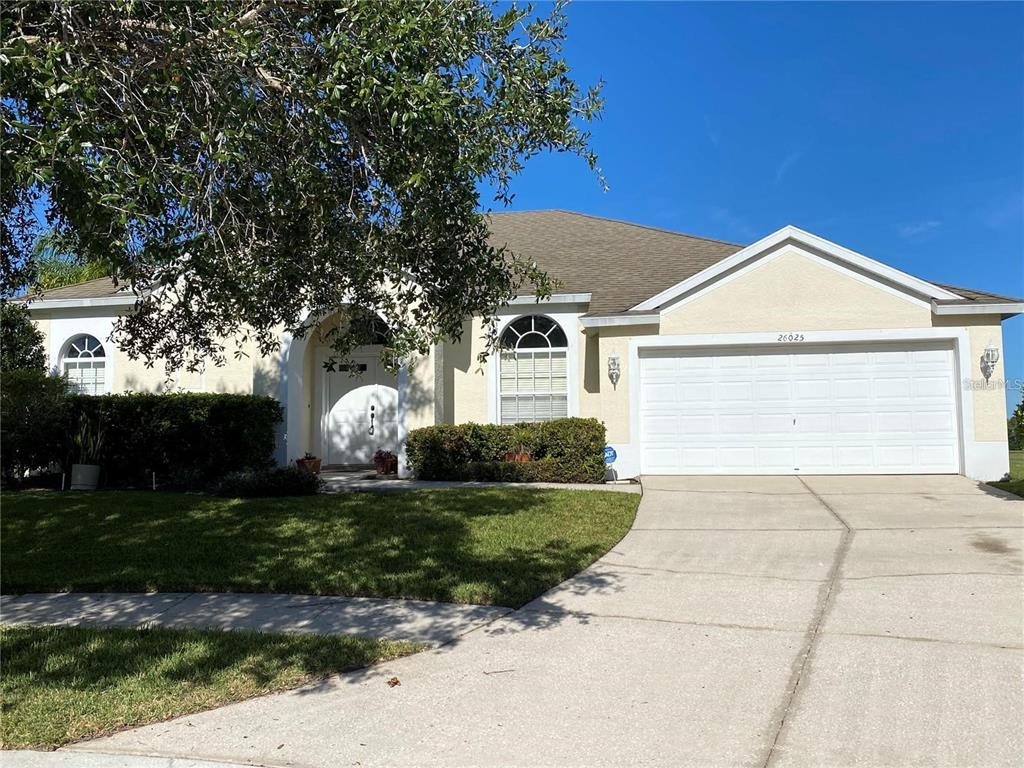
point(818, 246)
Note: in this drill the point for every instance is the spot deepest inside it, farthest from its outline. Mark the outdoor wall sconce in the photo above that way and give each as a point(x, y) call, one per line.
point(988, 361)
point(614, 370)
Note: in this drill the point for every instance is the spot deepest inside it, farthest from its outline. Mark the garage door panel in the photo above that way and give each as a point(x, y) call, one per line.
point(772, 424)
point(851, 390)
point(769, 390)
point(701, 459)
point(862, 409)
point(810, 390)
point(776, 458)
point(697, 425)
point(697, 393)
point(940, 422)
point(932, 386)
point(733, 424)
point(936, 456)
point(735, 362)
point(892, 388)
point(855, 423)
point(814, 424)
point(660, 393)
point(736, 391)
point(737, 459)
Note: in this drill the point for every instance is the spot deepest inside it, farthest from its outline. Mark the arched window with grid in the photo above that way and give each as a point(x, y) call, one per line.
point(84, 362)
point(533, 380)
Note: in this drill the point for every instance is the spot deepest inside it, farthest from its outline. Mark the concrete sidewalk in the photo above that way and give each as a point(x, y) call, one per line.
point(29, 759)
point(419, 621)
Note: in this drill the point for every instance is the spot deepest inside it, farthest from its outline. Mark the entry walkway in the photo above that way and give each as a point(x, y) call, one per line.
point(416, 620)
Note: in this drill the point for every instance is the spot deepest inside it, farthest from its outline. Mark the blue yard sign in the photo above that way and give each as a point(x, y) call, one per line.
point(609, 454)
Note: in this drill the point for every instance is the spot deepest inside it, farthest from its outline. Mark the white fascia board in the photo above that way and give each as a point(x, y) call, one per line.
point(554, 298)
point(798, 235)
point(651, 318)
point(105, 301)
point(1009, 308)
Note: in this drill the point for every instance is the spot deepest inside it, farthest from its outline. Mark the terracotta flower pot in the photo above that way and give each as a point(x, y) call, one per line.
point(387, 466)
point(312, 466)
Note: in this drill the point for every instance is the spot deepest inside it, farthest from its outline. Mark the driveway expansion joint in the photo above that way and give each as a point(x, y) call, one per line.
point(824, 602)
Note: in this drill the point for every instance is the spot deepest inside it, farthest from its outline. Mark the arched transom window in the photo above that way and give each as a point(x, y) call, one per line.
point(533, 383)
point(84, 363)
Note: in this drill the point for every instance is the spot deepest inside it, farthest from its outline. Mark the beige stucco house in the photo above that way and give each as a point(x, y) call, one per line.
point(790, 355)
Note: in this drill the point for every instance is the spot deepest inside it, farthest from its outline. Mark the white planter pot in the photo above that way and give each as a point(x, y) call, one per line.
point(85, 477)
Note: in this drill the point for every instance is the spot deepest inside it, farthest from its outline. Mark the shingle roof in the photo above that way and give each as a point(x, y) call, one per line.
point(972, 296)
point(619, 263)
point(100, 288)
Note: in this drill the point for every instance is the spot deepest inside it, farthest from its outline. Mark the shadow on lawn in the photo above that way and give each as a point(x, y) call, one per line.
point(81, 659)
point(488, 546)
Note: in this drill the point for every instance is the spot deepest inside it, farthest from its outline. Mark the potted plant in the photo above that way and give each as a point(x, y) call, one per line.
point(386, 462)
point(309, 463)
point(88, 442)
point(521, 452)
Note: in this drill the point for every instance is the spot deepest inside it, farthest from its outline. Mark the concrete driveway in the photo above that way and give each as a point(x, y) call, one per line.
point(817, 621)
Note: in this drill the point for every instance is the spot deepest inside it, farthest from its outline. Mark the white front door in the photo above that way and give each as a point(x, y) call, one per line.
point(359, 409)
point(840, 409)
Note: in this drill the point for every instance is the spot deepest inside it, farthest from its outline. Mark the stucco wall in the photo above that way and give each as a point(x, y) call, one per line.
point(419, 403)
point(127, 375)
point(793, 292)
point(465, 377)
point(989, 400)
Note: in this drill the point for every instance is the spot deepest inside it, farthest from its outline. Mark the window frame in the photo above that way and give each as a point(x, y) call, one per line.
point(102, 385)
point(567, 321)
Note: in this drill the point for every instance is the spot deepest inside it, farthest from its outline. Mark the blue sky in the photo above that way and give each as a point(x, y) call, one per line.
point(896, 130)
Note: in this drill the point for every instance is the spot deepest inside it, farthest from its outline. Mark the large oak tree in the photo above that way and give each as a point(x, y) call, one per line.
point(248, 165)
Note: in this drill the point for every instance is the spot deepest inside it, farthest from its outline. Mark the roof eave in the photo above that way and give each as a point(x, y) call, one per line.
point(99, 301)
point(1006, 309)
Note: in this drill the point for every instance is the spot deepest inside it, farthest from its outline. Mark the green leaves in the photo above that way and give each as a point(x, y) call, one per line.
point(276, 161)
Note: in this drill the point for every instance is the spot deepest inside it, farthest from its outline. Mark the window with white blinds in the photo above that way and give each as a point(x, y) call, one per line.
point(85, 365)
point(533, 374)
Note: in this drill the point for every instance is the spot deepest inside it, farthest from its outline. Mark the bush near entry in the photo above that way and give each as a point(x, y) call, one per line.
point(563, 451)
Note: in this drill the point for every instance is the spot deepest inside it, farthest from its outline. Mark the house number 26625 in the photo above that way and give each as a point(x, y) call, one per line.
point(791, 337)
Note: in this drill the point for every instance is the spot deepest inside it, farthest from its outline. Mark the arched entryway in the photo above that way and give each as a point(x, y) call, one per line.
point(341, 409)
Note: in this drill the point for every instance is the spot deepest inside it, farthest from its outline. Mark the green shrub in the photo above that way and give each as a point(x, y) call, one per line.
point(33, 425)
point(276, 481)
point(1015, 427)
point(187, 439)
point(564, 451)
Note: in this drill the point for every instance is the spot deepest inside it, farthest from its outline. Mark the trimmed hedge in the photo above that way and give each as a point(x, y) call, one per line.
point(564, 451)
point(33, 421)
point(189, 439)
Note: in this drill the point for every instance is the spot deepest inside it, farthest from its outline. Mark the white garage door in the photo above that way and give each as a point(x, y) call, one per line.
point(828, 410)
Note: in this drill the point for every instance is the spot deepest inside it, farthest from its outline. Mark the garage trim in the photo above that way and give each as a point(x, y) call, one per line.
point(973, 456)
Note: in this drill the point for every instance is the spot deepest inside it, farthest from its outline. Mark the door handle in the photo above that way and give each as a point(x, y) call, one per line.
point(372, 417)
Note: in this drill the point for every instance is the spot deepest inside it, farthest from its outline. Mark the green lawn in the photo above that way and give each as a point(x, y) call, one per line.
point(500, 546)
point(1016, 482)
point(60, 684)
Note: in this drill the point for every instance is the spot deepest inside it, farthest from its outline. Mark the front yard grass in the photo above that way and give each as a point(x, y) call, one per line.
point(499, 546)
point(61, 684)
point(1016, 481)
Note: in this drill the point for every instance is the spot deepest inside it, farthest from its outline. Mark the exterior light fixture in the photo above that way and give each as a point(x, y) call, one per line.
point(988, 361)
point(614, 370)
